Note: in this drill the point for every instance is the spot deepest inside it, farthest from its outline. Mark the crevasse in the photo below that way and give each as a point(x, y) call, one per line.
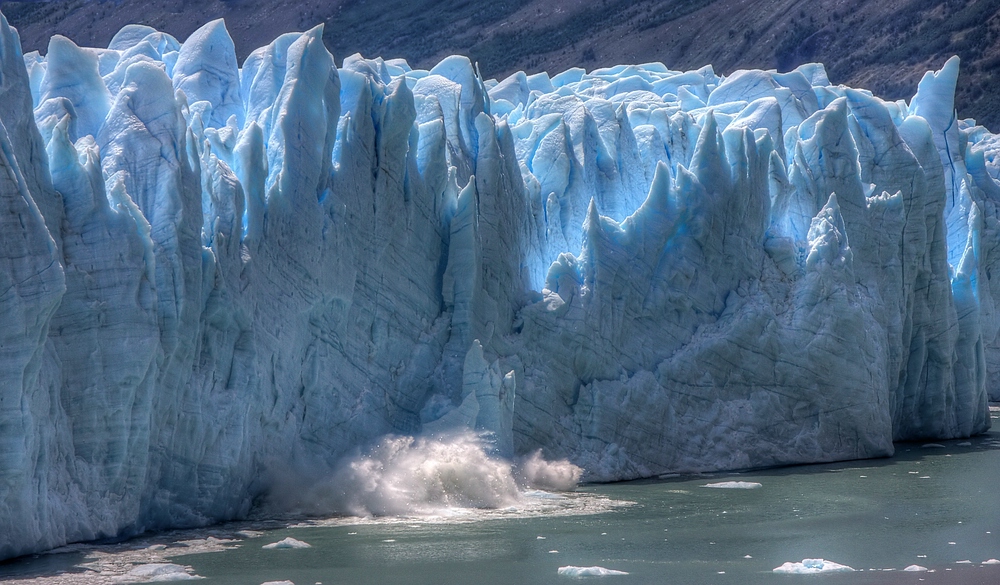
point(213, 275)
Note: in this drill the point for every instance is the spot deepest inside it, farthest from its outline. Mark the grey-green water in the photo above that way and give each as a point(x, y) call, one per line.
point(933, 506)
point(885, 514)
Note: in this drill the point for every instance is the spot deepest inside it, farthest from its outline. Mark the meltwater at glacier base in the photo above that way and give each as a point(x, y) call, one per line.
point(215, 276)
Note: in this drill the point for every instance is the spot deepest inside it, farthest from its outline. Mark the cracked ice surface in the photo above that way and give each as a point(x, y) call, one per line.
point(215, 275)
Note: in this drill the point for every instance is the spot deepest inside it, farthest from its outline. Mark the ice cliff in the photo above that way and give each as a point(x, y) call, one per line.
point(213, 275)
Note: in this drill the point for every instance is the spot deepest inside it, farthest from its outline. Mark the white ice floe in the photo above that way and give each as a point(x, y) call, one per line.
point(157, 572)
point(915, 568)
point(734, 485)
point(992, 562)
point(812, 567)
point(579, 572)
point(287, 543)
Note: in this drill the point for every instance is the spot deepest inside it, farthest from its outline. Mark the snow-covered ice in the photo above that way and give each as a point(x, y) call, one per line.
point(812, 567)
point(580, 572)
point(223, 281)
point(915, 568)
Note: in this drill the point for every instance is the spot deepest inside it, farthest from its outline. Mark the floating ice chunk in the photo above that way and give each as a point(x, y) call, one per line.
point(915, 568)
point(734, 485)
point(277, 583)
point(992, 562)
point(812, 567)
point(932, 446)
point(158, 572)
point(287, 543)
point(580, 572)
point(965, 562)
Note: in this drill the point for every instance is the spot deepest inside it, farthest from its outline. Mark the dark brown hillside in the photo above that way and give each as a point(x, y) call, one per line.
point(884, 46)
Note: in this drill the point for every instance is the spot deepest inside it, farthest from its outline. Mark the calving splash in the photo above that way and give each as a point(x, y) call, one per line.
point(427, 477)
point(216, 271)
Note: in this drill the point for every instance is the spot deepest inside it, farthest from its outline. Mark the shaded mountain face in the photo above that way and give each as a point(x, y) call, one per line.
point(882, 46)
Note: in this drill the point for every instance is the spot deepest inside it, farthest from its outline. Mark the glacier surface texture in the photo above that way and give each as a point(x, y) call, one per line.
point(213, 275)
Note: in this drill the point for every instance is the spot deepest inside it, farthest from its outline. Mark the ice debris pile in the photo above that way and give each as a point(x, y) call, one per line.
point(209, 271)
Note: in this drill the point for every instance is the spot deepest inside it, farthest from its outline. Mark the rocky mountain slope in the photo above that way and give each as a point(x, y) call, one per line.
point(883, 46)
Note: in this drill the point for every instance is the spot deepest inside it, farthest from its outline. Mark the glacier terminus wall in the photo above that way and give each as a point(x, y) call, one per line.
point(212, 273)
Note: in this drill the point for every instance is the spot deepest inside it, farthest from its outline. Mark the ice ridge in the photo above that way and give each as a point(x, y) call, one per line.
point(212, 274)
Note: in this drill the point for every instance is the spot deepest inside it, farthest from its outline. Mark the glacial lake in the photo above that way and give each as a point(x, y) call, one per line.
point(934, 505)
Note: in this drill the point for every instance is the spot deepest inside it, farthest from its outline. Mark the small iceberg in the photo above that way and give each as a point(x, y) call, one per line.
point(915, 568)
point(580, 572)
point(812, 567)
point(992, 562)
point(287, 543)
point(158, 572)
point(734, 485)
point(277, 583)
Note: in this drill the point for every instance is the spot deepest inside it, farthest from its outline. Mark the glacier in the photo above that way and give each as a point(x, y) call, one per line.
point(215, 277)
